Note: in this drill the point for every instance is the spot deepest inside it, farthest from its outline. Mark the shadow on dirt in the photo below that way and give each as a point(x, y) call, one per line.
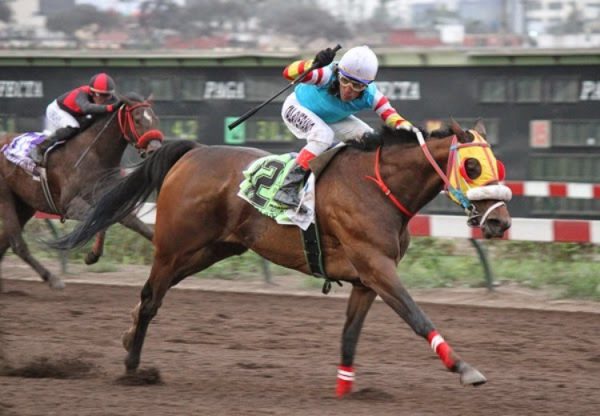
point(143, 377)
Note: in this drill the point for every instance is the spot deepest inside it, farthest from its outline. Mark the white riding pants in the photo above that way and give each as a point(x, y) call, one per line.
point(320, 136)
point(57, 118)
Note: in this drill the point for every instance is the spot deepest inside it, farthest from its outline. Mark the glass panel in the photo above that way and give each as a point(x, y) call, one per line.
point(263, 89)
point(126, 85)
point(492, 91)
point(564, 207)
point(7, 123)
point(564, 91)
point(192, 89)
point(567, 168)
point(528, 90)
point(161, 89)
point(582, 133)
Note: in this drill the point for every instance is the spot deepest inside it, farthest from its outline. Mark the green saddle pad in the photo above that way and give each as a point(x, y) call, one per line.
point(262, 180)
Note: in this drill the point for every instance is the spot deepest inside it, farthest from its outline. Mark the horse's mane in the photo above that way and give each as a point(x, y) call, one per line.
point(390, 136)
point(132, 96)
point(128, 98)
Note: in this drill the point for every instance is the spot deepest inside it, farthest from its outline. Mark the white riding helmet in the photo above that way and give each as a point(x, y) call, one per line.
point(360, 64)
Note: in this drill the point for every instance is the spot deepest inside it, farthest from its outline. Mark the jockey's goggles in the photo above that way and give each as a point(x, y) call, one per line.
point(355, 85)
point(102, 94)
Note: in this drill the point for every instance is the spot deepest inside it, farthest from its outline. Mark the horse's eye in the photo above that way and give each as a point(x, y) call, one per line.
point(472, 168)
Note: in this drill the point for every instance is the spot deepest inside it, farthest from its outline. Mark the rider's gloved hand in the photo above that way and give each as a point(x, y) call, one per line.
point(404, 125)
point(324, 58)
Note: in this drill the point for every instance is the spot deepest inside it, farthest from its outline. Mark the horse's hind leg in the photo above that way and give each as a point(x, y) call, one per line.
point(359, 303)
point(14, 215)
point(166, 272)
point(97, 249)
point(131, 222)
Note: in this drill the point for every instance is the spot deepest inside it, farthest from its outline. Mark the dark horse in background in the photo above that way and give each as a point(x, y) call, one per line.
point(201, 220)
point(73, 171)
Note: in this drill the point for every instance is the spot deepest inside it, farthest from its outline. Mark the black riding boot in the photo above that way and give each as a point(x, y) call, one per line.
point(64, 133)
point(289, 192)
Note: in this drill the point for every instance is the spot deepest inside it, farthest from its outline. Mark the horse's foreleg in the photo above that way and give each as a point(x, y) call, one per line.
point(359, 303)
point(380, 275)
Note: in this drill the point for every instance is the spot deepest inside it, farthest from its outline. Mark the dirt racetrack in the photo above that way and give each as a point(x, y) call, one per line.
point(224, 353)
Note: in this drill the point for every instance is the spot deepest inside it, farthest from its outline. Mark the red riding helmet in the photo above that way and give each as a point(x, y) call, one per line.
point(102, 84)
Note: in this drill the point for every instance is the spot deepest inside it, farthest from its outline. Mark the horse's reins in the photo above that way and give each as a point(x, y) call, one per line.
point(87, 150)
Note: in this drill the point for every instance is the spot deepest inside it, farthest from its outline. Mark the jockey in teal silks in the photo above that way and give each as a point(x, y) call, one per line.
point(321, 109)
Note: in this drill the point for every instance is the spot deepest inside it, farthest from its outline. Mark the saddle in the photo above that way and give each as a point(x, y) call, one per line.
point(19, 149)
point(277, 187)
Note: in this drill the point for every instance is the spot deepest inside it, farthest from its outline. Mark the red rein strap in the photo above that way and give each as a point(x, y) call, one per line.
point(126, 122)
point(379, 181)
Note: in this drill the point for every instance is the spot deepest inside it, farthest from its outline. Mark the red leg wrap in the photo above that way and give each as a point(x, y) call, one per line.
point(345, 379)
point(441, 348)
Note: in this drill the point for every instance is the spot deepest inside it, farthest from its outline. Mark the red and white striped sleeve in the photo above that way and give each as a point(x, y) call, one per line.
point(320, 76)
point(387, 113)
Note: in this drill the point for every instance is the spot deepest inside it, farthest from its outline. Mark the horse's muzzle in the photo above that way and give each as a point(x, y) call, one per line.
point(495, 227)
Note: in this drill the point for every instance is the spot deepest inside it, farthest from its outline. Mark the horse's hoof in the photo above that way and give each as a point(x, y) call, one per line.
point(91, 258)
point(56, 283)
point(470, 376)
point(131, 364)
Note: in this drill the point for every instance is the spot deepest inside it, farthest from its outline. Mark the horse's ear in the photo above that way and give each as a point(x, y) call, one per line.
point(463, 137)
point(455, 127)
point(150, 98)
point(480, 128)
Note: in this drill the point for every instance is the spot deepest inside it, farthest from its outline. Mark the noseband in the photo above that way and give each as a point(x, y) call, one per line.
point(127, 124)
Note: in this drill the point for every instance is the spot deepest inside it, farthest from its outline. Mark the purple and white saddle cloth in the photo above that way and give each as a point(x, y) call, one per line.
point(17, 151)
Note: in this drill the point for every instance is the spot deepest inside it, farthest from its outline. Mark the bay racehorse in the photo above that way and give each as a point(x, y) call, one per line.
point(200, 220)
point(72, 172)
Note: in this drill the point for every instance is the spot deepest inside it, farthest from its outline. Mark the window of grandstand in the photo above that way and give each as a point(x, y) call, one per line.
point(564, 207)
point(493, 90)
point(564, 90)
point(580, 133)
point(258, 89)
point(527, 89)
point(565, 167)
point(7, 123)
point(126, 85)
point(192, 89)
point(161, 89)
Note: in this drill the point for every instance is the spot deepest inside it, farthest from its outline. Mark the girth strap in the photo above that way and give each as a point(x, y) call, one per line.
point(314, 256)
point(47, 192)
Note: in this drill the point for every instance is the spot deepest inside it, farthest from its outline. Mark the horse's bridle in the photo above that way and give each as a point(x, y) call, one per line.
point(475, 219)
point(127, 124)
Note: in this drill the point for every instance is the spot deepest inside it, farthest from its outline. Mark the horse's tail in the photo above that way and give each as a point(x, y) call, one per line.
point(122, 197)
